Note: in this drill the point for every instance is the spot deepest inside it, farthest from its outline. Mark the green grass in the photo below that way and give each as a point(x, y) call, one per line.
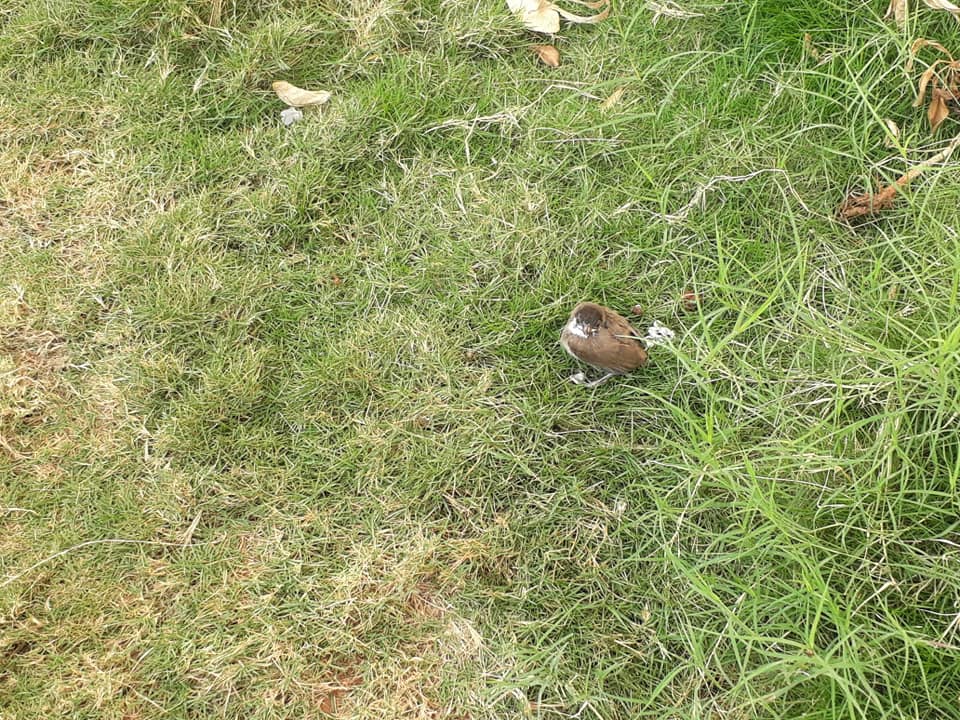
point(311, 377)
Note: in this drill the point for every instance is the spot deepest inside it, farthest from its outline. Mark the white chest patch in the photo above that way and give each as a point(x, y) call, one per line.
point(575, 328)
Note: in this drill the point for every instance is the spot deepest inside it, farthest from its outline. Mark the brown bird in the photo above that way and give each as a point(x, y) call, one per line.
point(603, 339)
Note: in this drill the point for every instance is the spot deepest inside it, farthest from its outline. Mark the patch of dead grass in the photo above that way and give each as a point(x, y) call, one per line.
point(51, 408)
point(330, 694)
point(65, 197)
point(410, 588)
point(373, 26)
point(99, 652)
point(31, 384)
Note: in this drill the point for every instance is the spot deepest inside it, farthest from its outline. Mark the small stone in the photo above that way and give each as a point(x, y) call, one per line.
point(291, 115)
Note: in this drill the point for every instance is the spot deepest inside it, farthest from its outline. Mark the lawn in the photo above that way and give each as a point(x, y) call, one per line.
point(285, 428)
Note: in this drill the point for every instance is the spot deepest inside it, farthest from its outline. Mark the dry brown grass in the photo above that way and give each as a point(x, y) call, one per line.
point(32, 389)
point(50, 407)
point(64, 194)
point(411, 592)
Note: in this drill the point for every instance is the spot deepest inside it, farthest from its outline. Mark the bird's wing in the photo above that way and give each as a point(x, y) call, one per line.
point(629, 352)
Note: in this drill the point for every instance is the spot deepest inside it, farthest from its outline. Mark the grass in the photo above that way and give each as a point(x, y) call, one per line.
point(310, 376)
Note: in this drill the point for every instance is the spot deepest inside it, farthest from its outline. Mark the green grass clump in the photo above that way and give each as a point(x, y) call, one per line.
point(284, 425)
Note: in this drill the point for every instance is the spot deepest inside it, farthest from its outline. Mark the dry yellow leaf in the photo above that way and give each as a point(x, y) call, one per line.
point(613, 100)
point(548, 55)
point(944, 5)
point(891, 140)
point(921, 43)
point(298, 97)
point(898, 11)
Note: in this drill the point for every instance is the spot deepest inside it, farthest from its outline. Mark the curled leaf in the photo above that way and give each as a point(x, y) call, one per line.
point(938, 111)
point(922, 87)
point(944, 5)
point(588, 20)
point(298, 97)
point(921, 43)
point(548, 55)
point(898, 11)
point(944, 77)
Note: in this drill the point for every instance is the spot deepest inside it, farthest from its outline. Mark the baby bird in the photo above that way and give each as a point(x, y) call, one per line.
point(603, 339)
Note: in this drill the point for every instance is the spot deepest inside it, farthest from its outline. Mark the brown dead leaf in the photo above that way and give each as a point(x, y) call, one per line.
point(944, 5)
point(944, 77)
point(920, 43)
point(938, 110)
point(548, 55)
point(898, 11)
point(925, 79)
point(613, 100)
point(544, 16)
point(298, 97)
